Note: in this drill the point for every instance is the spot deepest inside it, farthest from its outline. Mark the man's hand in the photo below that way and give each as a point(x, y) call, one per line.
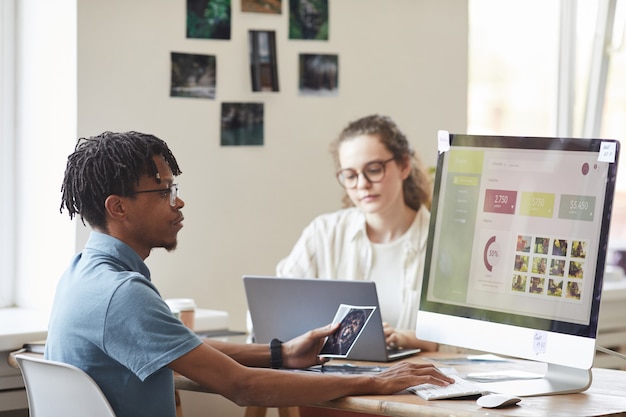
point(404, 375)
point(302, 351)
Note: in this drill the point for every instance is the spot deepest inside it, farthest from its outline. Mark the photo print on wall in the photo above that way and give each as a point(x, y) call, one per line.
point(263, 67)
point(208, 19)
point(319, 74)
point(308, 19)
point(193, 75)
point(242, 124)
point(262, 6)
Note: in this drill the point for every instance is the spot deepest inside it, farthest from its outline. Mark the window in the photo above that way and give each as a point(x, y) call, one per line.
point(512, 66)
point(7, 173)
point(533, 69)
point(31, 144)
point(613, 121)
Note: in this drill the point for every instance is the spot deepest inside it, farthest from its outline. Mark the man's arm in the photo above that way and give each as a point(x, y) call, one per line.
point(275, 388)
point(300, 352)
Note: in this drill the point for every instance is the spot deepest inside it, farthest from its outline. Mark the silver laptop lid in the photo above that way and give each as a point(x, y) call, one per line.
point(284, 308)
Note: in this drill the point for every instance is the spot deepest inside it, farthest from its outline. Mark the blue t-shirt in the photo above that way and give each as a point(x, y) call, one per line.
point(110, 320)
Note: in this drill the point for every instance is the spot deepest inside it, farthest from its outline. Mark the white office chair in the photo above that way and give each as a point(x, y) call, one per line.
point(57, 389)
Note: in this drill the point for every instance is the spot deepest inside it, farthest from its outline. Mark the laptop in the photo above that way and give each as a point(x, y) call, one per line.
point(284, 308)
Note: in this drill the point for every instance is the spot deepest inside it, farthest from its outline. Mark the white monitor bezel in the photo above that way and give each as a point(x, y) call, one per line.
point(550, 342)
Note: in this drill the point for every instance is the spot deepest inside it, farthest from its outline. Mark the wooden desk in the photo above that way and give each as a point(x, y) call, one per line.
point(605, 397)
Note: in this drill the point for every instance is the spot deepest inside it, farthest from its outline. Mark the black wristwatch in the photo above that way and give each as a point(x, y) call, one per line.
point(276, 354)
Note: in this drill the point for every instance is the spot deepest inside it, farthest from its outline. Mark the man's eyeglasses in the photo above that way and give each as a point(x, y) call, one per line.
point(172, 191)
point(372, 171)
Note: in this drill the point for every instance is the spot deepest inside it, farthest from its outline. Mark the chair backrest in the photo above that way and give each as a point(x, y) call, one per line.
point(56, 389)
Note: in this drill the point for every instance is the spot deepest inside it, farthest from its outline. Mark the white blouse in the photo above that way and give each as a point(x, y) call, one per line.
point(336, 246)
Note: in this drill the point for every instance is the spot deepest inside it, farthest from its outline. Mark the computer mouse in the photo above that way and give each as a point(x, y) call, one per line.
point(497, 400)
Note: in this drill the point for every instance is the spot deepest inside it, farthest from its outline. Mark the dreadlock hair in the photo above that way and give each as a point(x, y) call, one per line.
point(417, 187)
point(109, 164)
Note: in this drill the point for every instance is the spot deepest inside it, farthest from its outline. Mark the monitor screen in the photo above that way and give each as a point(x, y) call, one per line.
point(517, 246)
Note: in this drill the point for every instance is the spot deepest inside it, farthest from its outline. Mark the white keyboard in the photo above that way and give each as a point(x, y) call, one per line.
point(461, 388)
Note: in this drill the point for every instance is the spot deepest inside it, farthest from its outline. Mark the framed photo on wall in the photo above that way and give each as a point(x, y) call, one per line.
point(308, 19)
point(263, 68)
point(193, 75)
point(262, 6)
point(242, 124)
point(208, 19)
point(319, 74)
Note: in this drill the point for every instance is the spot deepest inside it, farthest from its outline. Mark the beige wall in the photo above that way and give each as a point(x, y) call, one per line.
point(245, 206)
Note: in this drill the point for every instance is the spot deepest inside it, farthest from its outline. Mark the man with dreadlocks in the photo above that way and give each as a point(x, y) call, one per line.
point(109, 319)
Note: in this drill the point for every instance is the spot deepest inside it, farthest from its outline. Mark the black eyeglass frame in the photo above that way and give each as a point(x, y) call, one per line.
point(383, 164)
point(172, 190)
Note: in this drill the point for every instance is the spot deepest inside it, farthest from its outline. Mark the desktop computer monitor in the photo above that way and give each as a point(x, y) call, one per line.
point(516, 252)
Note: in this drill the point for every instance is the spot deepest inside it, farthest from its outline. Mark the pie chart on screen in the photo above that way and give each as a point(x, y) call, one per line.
point(491, 255)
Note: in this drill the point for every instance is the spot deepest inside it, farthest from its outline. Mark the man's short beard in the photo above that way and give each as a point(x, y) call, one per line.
point(170, 246)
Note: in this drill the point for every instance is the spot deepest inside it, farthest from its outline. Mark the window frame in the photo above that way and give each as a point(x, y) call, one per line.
point(7, 152)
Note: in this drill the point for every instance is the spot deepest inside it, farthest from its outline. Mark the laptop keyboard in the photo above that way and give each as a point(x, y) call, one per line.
point(461, 388)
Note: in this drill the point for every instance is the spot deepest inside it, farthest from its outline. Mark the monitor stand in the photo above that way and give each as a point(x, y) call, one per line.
point(558, 379)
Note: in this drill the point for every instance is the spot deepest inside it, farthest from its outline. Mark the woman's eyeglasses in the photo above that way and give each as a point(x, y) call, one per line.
point(372, 171)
